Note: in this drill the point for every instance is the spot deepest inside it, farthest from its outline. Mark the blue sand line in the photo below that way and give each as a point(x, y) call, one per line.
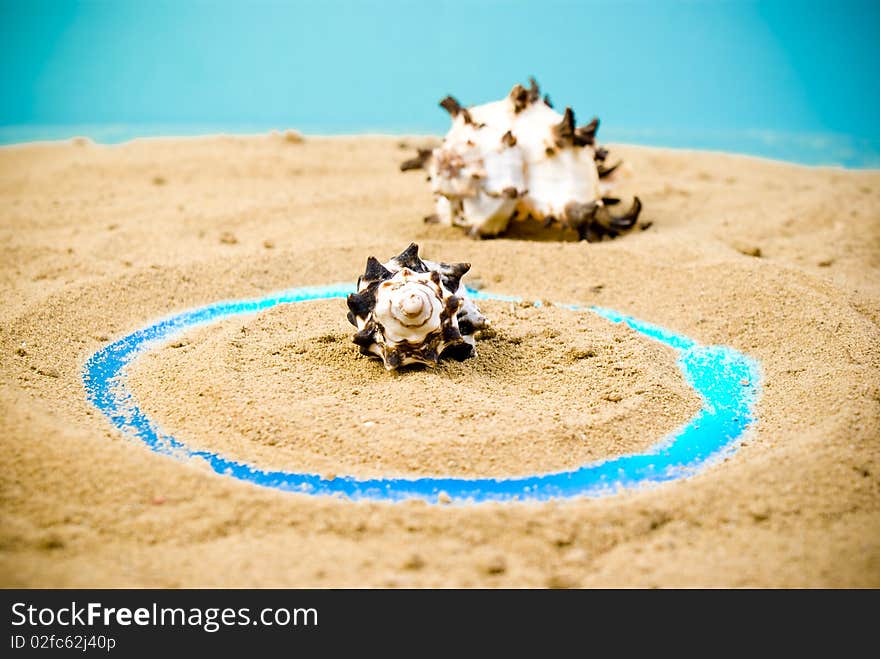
point(726, 380)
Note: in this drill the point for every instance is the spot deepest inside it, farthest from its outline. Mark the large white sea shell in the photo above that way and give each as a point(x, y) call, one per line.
point(518, 159)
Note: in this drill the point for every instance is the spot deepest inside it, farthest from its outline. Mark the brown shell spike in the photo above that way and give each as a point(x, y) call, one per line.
point(605, 172)
point(519, 95)
point(563, 132)
point(452, 273)
point(586, 135)
point(409, 258)
point(606, 224)
point(451, 105)
point(418, 162)
point(534, 90)
point(375, 271)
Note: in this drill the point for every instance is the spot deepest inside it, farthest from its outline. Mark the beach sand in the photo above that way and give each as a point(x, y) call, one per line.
point(779, 261)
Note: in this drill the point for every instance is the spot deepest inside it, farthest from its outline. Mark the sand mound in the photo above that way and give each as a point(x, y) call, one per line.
point(780, 262)
point(551, 390)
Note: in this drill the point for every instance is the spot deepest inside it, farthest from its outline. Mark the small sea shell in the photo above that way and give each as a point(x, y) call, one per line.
point(519, 159)
point(410, 311)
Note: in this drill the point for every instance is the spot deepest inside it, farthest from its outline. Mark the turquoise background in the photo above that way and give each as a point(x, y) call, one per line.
point(792, 80)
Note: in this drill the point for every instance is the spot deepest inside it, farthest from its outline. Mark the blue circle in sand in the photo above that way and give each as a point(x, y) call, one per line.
point(726, 380)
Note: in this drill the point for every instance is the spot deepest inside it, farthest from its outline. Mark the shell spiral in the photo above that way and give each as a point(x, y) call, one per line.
point(411, 311)
point(519, 159)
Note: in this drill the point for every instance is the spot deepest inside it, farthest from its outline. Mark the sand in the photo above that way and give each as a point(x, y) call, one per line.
point(779, 261)
point(281, 391)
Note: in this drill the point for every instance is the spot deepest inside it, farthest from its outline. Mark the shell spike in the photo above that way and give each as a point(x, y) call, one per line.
point(519, 97)
point(586, 135)
point(364, 338)
point(564, 132)
point(452, 274)
point(605, 172)
point(418, 162)
point(458, 269)
point(628, 219)
point(360, 304)
point(375, 271)
point(411, 252)
point(409, 258)
point(612, 225)
point(451, 105)
point(534, 90)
